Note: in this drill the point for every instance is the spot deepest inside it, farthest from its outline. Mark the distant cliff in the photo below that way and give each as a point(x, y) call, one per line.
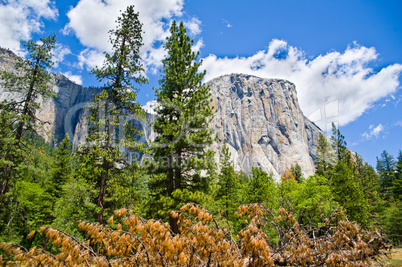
point(57, 115)
point(260, 119)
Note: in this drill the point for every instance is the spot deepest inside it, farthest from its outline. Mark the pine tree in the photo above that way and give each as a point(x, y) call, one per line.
point(397, 183)
point(260, 188)
point(368, 181)
point(228, 184)
point(181, 123)
point(62, 168)
point(29, 78)
point(112, 129)
point(297, 172)
point(339, 144)
point(325, 159)
point(386, 170)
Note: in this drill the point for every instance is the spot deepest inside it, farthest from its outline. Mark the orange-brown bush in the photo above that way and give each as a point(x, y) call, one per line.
point(132, 241)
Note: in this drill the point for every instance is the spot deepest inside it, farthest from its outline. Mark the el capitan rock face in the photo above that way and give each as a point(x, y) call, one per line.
point(261, 121)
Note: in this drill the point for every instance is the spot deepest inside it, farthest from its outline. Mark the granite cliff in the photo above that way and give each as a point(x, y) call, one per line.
point(260, 119)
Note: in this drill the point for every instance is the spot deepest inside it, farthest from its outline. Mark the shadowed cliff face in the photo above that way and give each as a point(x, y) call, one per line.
point(260, 119)
point(262, 123)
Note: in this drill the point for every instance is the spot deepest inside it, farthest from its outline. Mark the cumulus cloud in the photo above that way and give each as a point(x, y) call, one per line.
point(90, 21)
point(341, 84)
point(193, 26)
point(59, 52)
point(20, 18)
point(373, 131)
point(75, 78)
point(89, 59)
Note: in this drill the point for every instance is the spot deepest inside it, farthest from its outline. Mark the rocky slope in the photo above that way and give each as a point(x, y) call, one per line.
point(260, 119)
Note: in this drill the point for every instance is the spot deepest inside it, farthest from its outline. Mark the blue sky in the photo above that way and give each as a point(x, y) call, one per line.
point(344, 56)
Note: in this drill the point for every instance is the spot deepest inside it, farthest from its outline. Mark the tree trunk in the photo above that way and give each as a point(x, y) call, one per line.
point(4, 182)
point(102, 191)
point(173, 225)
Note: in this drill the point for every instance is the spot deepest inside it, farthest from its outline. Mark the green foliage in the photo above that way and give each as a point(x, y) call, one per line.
point(10, 154)
point(391, 220)
point(314, 200)
point(349, 195)
point(75, 204)
point(325, 158)
point(260, 188)
point(397, 183)
point(227, 194)
point(36, 203)
point(369, 184)
point(386, 170)
point(339, 145)
point(62, 168)
point(28, 204)
point(297, 172)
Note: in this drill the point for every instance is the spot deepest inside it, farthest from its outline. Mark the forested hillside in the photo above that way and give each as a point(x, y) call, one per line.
point(94, 205)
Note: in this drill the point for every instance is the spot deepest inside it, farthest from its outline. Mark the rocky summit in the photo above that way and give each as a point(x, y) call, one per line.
point(260, 119)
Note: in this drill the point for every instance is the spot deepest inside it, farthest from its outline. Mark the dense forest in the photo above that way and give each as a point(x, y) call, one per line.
point(94, 205)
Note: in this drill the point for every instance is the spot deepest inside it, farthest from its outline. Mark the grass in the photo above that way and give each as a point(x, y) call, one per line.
point(394, 259)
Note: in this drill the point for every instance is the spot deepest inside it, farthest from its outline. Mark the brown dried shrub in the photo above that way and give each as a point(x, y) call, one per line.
point(129, 240)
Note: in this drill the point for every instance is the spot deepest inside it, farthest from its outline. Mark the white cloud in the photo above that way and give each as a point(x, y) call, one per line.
point(193, 26)
point(75, 78)
point(153, 59)
point(198, 45)
point(59, 52)
point(90, 21)
point(150, 106)
point(20, 18)
point(90, 59)
point(227, 23)
point(373, 131)
point(341, 77)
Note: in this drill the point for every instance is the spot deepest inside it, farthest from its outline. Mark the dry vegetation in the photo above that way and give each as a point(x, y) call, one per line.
point(129, 240)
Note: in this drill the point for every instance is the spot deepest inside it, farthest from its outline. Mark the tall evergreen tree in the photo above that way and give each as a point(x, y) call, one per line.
point(111, 127)
point(62, 168)
point(228, 184)
point(181, 123)
point(297, 172)
point(325, 159)
point(386, 170)
point(398, 178)
point(29, 78)
point(339, 144)
point(260, 188)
